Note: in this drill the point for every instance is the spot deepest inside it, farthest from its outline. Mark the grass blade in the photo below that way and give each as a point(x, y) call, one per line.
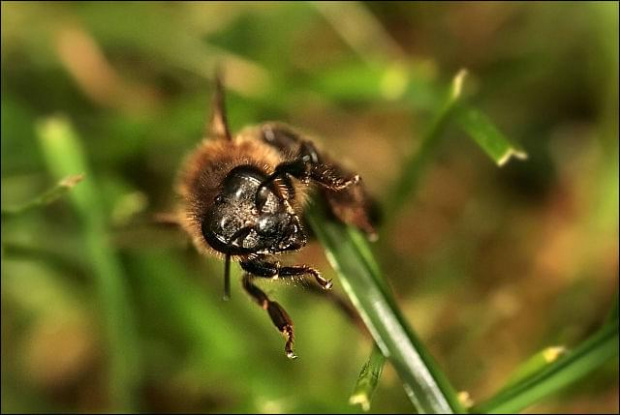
point(368, 380)
point(535, 364)
point(482, 130)
point(50, 196)
point(64, 156)
point(592, 353)
point(475, 124)
point(349, 254)
point(412, 171)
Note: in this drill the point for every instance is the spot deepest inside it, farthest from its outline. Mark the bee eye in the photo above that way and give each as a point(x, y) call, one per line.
point(261, 198)
point(239, 193)
point(267, 225)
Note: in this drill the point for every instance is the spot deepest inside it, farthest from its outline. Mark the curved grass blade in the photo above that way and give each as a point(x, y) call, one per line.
point(482, 130)
point(591, 354)
point(64, 155)
point(368, 380)
point(348, 252)
point(535, 364)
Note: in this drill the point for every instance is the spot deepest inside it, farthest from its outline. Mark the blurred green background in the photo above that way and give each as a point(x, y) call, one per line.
point(489, 265)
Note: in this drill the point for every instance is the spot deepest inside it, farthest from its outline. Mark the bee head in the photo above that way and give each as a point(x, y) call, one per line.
point(236, 224)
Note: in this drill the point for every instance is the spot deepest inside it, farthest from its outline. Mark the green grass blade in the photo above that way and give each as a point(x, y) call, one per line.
point(412, 171)
point(65, 156)
point(535, 364)
point(368, 380)
point(482, 130)
point(349, 254)
point(50, 196)
point(591, 354)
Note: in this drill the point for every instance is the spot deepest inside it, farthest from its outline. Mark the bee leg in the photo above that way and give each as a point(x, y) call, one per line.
point(318, 168)
point(348, 203)
point(296, 168)
point(278, 315)
point(297, 270)
point(331, 179)
point(308, 167)
point(260, 266)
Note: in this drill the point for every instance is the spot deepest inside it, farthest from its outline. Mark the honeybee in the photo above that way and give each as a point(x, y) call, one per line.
point(243, 197)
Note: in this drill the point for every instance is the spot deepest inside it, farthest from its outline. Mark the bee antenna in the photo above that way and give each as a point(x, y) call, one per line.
point(218, 127)
point(227, 278)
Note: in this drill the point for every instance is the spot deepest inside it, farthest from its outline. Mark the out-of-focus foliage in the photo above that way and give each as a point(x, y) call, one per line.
point(489, 265)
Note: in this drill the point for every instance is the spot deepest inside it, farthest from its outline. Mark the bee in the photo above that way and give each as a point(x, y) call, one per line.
point(243, 197)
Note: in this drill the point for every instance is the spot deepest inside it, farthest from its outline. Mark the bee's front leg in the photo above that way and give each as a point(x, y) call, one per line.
point(279, 316)
point(264, 267)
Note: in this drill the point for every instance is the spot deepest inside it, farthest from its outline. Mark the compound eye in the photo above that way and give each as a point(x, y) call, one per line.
point(226, 223)
point(266, 200)
point(238, 194)
point(267, 225)
point(261, 197)
point(236, 188)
